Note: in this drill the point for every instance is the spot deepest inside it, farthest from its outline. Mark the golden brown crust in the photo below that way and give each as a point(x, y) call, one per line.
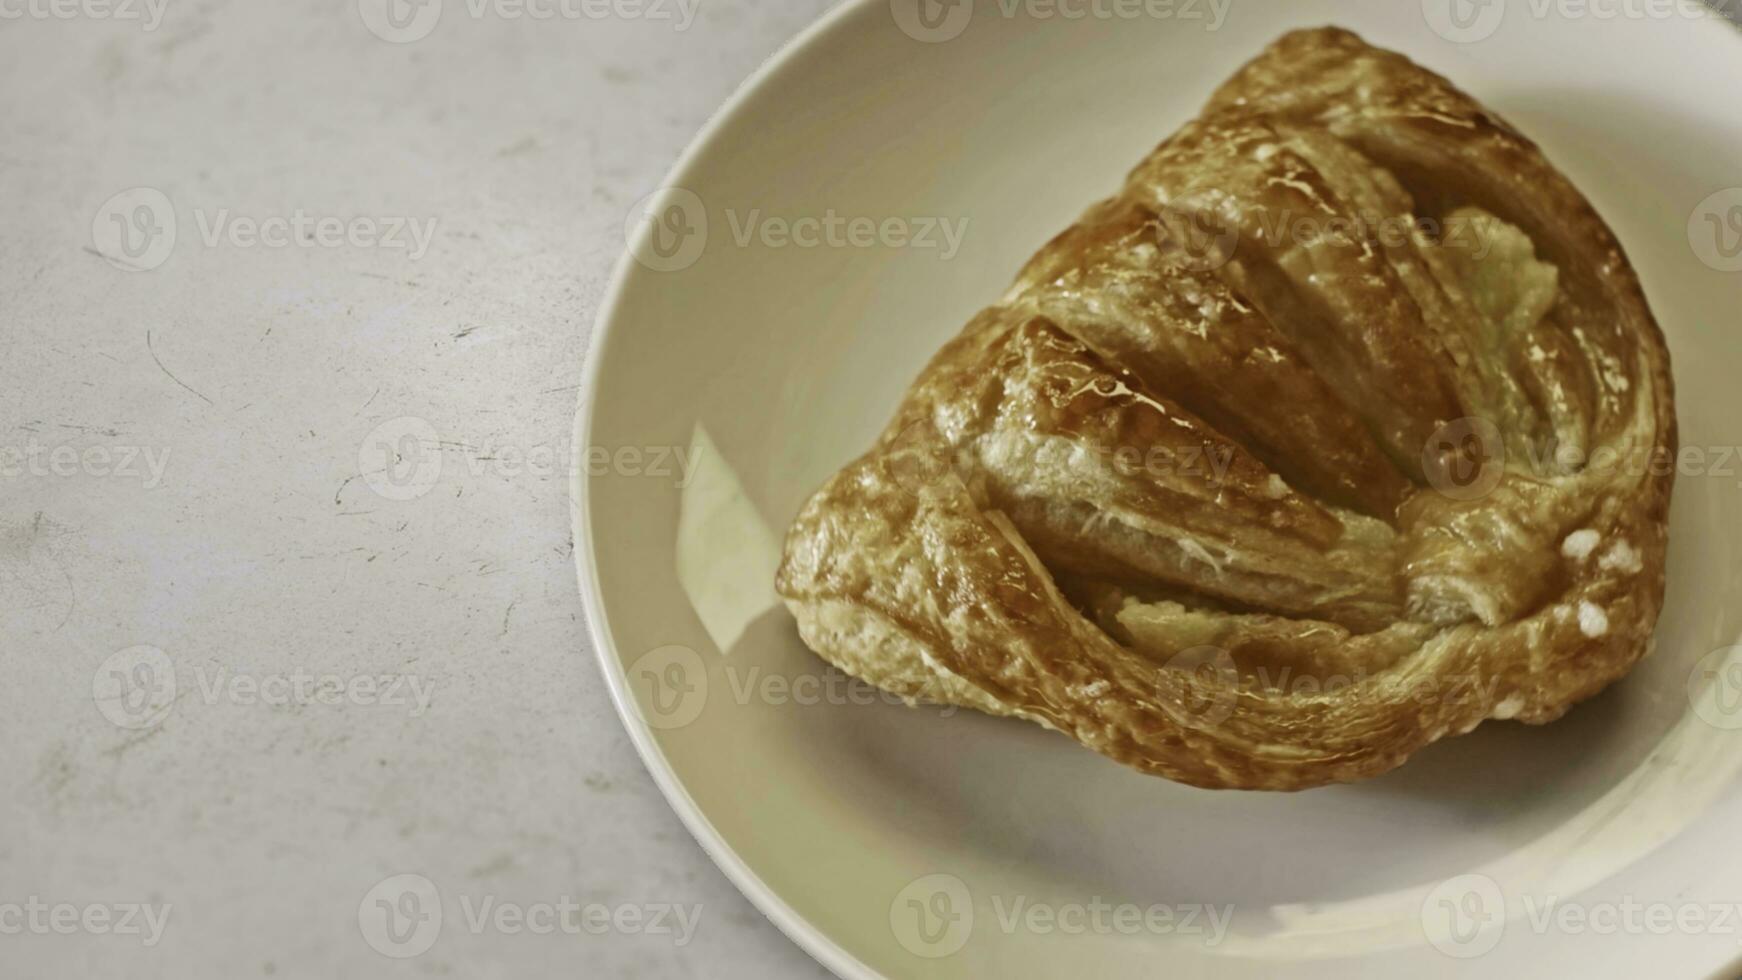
point(1194, 492)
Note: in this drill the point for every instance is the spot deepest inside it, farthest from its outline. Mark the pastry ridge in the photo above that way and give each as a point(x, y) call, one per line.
point(1338, 430)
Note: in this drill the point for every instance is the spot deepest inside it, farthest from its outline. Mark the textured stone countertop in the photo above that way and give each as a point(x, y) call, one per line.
point(254, 670)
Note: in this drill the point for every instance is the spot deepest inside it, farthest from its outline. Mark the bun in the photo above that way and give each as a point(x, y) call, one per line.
point(1343, 427)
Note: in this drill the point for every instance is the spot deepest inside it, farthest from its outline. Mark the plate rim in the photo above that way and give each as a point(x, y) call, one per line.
point(815, 943)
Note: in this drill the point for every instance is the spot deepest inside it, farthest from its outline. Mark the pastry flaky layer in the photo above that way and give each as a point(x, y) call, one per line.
point(1344, 426)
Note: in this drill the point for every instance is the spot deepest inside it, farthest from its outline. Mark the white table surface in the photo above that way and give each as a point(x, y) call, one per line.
point(255, 376)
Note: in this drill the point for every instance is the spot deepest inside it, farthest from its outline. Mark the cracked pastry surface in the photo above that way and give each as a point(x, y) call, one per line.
point(1341, 428)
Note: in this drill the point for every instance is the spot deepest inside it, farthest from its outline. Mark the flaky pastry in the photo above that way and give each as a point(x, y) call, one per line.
point(1341, 428)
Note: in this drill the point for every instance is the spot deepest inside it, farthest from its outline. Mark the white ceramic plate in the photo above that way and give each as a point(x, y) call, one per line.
point(906, 843)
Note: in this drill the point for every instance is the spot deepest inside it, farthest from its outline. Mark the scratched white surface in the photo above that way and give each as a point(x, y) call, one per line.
point(254, 376)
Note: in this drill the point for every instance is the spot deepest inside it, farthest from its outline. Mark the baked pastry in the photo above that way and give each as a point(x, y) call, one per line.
point(1343, 427)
